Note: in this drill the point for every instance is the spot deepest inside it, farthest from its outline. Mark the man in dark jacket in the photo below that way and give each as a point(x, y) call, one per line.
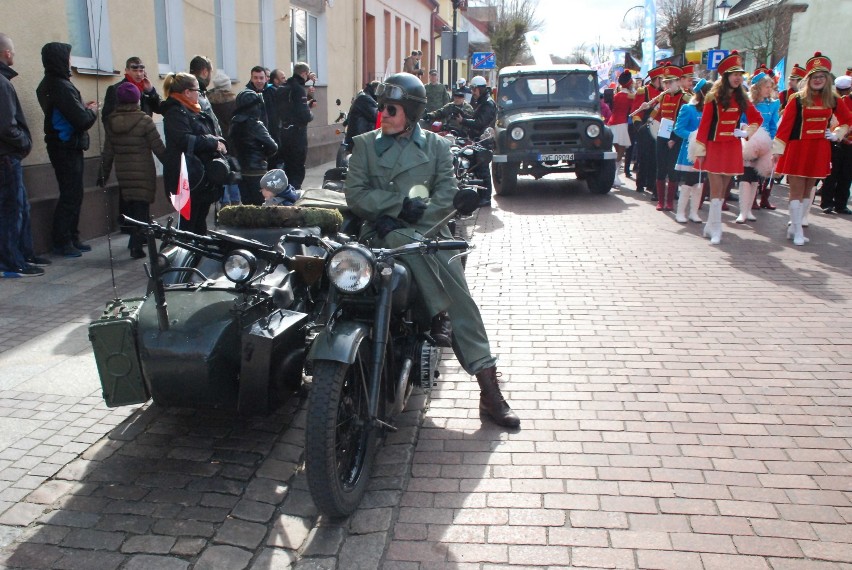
point(295, 116)
point(134, 72)
point(202, 68)
point(362, 114)
point(16, 238)
point(484, 115)
point(66, 122)
point(251, 143)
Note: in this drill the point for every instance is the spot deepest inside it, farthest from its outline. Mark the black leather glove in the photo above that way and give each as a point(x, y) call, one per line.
point(412, 209)
point(385, 224)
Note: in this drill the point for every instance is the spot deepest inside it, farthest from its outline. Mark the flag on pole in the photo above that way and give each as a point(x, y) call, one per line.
point(181, 200)
point(649, 56)
point(537, 48)
point(779, 73)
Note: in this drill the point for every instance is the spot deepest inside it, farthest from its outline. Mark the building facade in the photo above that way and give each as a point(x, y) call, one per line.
point(235, 34)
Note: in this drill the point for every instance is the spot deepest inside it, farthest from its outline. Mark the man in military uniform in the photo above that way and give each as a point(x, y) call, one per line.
point(451, 113)
point(484, 115)
point(401, 183)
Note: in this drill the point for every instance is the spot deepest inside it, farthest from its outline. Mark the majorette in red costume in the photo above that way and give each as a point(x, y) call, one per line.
point(716, 130)
point(796, 74)
point(801, 139)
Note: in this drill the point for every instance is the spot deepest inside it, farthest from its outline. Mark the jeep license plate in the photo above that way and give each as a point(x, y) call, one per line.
point(555, 157)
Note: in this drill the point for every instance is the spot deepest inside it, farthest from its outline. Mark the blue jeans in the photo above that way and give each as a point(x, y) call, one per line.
point(16, 236)
point(232, 195)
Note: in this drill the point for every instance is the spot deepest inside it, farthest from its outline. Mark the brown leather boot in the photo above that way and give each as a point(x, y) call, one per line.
point(441, 330)
point(491, 400)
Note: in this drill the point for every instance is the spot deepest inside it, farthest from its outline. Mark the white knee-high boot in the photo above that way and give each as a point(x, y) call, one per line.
point(682, 200)
point(747, 193)
point(694, 203)
point(713, 228)
point(806, 206)
point(795, 231)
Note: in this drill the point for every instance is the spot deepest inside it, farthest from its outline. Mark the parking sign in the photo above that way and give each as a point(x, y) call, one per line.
point(715, 57)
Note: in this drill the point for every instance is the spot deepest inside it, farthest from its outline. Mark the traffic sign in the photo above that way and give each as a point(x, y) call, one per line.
point(715, 57)
point(483, 60)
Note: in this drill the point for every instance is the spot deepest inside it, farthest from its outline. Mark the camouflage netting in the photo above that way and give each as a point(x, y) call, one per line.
point(329, 220)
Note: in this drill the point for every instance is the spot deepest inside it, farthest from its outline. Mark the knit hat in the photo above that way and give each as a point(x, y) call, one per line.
point(275, 180)
point(127, 93)
point(221, 80)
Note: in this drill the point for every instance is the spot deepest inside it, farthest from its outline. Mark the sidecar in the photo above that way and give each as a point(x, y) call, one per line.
point(201, 340)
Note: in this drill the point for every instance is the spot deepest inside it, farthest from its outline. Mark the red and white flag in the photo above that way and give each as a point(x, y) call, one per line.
point(181, 200)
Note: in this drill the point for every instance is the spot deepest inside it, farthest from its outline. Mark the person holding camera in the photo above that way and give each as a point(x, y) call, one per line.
point(452, 113)
point(252, 144)
point(131, 137)
point(190, 132)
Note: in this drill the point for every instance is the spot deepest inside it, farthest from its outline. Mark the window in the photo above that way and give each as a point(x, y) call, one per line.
point(168, 18)
point(267, 33)
point(303, 31)
point(226, 37)
point(88, 34)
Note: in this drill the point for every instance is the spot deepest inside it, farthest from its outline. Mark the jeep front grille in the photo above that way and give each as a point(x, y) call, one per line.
point(547, 134)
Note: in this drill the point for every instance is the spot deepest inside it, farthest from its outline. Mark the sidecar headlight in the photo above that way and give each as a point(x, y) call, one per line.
point(240, 265)
point(593, 131)
point(351, 268)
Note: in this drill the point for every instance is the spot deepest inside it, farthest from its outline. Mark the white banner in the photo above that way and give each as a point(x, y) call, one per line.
point(537, 48)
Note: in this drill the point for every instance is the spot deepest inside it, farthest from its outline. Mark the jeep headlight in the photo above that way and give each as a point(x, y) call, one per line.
point(517, 133)
point(240, 265)
point(351, 268)
point(593, 131)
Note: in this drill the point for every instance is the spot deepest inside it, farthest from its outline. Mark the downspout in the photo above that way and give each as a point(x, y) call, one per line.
point(363, 28)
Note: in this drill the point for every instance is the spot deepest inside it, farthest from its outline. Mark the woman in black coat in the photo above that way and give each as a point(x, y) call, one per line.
point(189, 131)
point(251, 143)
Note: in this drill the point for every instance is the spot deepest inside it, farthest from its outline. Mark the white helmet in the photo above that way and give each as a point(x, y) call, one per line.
point(478, 81)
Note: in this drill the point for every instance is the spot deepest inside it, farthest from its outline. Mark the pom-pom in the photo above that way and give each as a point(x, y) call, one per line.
point(691, 146)
point(817, 54)
point(758, 151)
point(734, 52)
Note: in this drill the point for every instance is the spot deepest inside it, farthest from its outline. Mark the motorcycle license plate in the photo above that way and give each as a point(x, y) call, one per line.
point(555, 157)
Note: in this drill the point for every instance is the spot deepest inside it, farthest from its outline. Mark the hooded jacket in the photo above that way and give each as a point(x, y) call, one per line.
point(250, 140)
point(15, 138)
point(131, 137)
point(57, 95)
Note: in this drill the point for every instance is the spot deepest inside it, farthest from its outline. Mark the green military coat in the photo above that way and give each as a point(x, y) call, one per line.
point(382, 173)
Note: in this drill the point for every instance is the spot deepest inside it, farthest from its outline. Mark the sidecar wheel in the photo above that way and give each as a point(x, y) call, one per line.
point(339, 440)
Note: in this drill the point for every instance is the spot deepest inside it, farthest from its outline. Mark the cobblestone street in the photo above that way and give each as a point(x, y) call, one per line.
point(682, 405)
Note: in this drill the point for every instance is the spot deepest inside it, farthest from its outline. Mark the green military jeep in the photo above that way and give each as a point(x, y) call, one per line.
point(549, 121)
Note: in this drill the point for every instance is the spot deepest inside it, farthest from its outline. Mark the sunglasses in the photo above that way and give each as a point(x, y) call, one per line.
point(391, 109)
point(135, 66)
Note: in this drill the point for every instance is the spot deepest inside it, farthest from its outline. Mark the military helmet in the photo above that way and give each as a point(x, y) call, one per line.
point(406, 91)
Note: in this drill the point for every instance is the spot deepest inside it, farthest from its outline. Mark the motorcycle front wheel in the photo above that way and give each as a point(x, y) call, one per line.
point(339, 440)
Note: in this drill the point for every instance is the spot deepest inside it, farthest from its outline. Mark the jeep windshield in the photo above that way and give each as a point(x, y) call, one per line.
point(548, 90)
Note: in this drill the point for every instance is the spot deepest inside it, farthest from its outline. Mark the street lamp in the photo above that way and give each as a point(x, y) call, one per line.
point(722, 11)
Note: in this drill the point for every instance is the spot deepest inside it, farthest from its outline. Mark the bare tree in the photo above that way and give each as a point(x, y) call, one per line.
point(766, 33)
point(675, 18)
point(585, 53)
point(513, 19)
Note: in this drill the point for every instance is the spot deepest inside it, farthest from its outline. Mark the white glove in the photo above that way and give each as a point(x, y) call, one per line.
point(831, 136)
point(740, 133)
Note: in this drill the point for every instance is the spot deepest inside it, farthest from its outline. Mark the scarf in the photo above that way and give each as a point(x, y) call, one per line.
point(183, 100)
point(138, 85)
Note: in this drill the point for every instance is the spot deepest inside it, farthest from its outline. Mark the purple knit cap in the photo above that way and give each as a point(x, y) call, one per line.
point(127, 93)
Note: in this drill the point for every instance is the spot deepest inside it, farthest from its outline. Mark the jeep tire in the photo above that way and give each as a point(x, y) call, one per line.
point(600, 182)
point(505, 178)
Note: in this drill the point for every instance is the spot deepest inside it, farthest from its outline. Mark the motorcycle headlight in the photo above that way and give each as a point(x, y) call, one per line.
point(240, 265)
point(465, 163)
point(468, 151)
point(517, 133)
point(593, 131)
point(351, 268)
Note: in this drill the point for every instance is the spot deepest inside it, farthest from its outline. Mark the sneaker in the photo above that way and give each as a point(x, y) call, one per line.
point(28, 271)
point(84, 247)
point(68, 250)
point(38, 261)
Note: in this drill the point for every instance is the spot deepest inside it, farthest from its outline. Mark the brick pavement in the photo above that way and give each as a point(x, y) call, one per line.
point(683, 406)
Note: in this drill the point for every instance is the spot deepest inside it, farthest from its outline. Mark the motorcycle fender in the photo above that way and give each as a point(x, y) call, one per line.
point(339, 344)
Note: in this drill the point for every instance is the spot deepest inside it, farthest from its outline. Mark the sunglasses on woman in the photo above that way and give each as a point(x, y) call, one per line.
point(391, 109)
